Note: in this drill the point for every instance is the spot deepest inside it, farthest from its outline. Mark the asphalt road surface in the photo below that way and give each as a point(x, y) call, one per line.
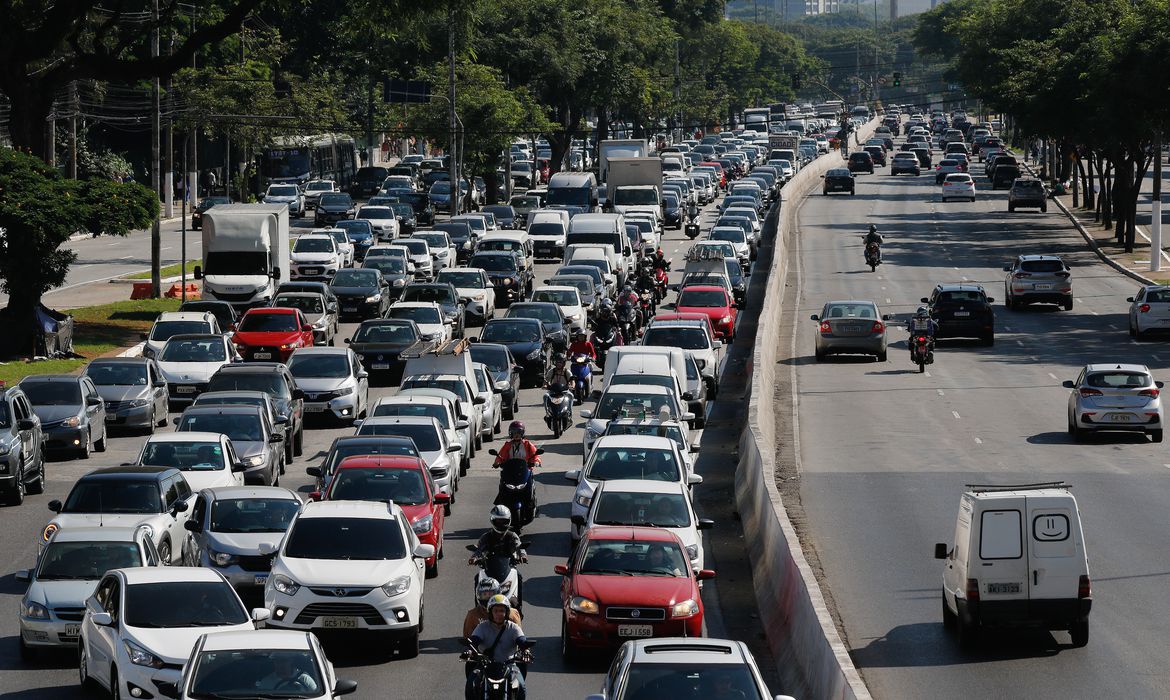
point(885, 452)
point(437, 673)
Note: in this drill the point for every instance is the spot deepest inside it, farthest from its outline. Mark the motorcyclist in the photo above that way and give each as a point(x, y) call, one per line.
point(484, 591)
point(646, 283)
point(582, 346)
point(501, 540)
point(922, 324)
point(498, 638)
point(660, 261)
point(559, 373)
point(518, 447)
point(873, 236)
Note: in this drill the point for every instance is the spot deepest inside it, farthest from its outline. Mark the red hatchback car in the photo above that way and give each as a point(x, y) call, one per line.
point(404, 480)
point(712, 301)
point(628, 583)
point(271, 334)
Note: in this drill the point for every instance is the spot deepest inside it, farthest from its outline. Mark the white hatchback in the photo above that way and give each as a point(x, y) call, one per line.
point(958, 186)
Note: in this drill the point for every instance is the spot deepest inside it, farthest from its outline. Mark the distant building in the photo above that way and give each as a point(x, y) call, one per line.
point(821, 7)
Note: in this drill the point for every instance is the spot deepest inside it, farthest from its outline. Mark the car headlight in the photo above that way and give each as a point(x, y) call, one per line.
point(49, 530)
point(725, 319)
point(692, 551)
point(5, 448)
point(533, 355)
point(346, 391)
point(138, 403)
point(583, 605)
point(423, 524)
point(583, 500)
point(141, 657)
point(592, 433)
point(478, 297)
point(222, 558)
point(574, 317)
point(319, 324)
point(508, 281)
point(373, 298)
point(400, 282)
point(148, 353)
point(397, 586)
point(254, 460)
point(33, 611)
point(72, 422)
point(285, 585)
point(686, 608)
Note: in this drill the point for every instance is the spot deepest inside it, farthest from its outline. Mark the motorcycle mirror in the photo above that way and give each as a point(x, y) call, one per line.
point(540, 450)
point(471, 548)
point(493, 452)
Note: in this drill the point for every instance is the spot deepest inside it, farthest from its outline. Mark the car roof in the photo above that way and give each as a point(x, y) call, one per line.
point(354, 509)
point(249, 492)
point(242, 393)
point(426, 399)
point(119, 361)
point(652, 442)
point(415, 305)
point(851, 301)
point(230, 409)
point(274, 310)
point(380, 462)
point(144, 473)
point(52, 378)
point(170, 574)
point(703, 288)
point(632, 533)
point(265, 639)
point(192, 436)
point(316, 350)
point(1055, 258)
point(252, 368)
point(182, 316)
point(641, 486)
point(96, 534)
point(402, 420)
point(686, 651)
point(1113, 367)
point(635, 389)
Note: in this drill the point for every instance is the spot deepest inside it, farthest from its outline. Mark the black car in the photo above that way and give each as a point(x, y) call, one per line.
point(503, 368)
point(446, 296)
point(424, 213)
point(378, 343)
point(274, 379)
point(361, 234)
point(204, 205)
point(556, 326)
point(224, 312)
point(333, 207)
point(1005, 174)
point(672, 211)
point(738, 282)
point(407, 222)
point(923, 156)
point(962, 311)
point(505, 215)
point(360, 446)
point(526, 340)
point(305, 286)
point(361, 292)
point(511, 280)
point(860, 162)
point(462, 237)
point(839, 180)
point(367, 181)
point(594, 274)
point(878, 154)
point(1027, 192)
point(394, 271)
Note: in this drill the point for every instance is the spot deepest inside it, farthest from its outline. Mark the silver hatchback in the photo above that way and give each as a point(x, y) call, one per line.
point(1038, 279)
point(1115, 397)
point(851, 327)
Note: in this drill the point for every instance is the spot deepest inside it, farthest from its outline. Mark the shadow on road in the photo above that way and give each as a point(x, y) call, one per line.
point(930, 644)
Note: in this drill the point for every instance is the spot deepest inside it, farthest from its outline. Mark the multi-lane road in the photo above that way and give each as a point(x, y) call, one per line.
point(885, 452)
point(437, 673)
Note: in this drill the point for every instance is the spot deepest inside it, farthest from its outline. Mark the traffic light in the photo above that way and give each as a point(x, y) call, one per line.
point(897, 79)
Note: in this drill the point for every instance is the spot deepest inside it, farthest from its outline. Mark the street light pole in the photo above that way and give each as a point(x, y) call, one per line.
point(155, 128)
point(453, 163)
point(1156, 213)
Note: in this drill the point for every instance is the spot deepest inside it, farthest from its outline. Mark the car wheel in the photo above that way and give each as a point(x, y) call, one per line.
point(408, 644)
point(432, 571)
point(100, 445)
point(299, 441)
point(86, 681)
point(569, 650)
point(87, 449)
point(882, 356)
point(1068, 303)
point(288, 447)
point(1079, 631)
point(1044, 210)
point(1156, 435)
point(162, 422)
point(989, 339)
point(164, 552)
point(115, 684)
point(1132, 330)
point(38, 486)
point(948, 617)
point(968, 632)
point(1075, 431)
point(16, 495)
point(28, 654)
point(820, 356)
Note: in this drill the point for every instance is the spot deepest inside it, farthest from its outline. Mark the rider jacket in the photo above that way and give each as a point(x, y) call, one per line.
point(873, 237)
point(583, 347)
point(478, 614)
point(527, 453)
point(559, 375)
point(493, 543)
point(660, 262)
point(926, 326)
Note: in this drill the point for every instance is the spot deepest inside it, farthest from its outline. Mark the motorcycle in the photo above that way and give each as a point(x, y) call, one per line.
point(558, 409)
point(873, 256)
point(517, 490)
point(646, 303)
point(582, 378)
point(661, 278)
point(495, 680)
point(628, 321)
point(605, 337)
point(921, 351)
point(502, 569)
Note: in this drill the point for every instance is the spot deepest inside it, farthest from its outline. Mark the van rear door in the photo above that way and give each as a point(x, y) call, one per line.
point(1056, 560)
point(1000, 559)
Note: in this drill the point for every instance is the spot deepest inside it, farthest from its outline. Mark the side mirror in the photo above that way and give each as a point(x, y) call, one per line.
point(266, 548)
point(167, 689)
point(573, 475)
point(23, 575)
point(55, 506)
point(175, 420)
point(561, 569)
point(1159, 384)
point(694, 446)
point(941, 551)
point(480, 400)
point(1068, 384)
point(442, 498)
point(1008, 268)
point(348, 341)
point(462, 425)
point(704, 574)
point(102, 619)
point(275, 437)
point(26, 424)
point(314, 471)
point(239, 467)
point(924, 300)
point(990, 300)
point(688, 396)
point(179, 507)
point(694, 480)
point(358, 423)
point(453, 448)
point(578, 520)
point(198, 272)
point(814, 317)
point(717, 345)
point(363, 374)
point(192, 526)
point(345, 687)
point(424, 551)
point(160, 384)
point(298, 394)
point(705, 524)
point(260, 614)
point(540, 450)
point(688, 416)
point(282, 420)
point(587, 413)
point(142, 336)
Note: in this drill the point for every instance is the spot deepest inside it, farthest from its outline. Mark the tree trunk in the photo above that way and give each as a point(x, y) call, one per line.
point(29, 109)
point(19, 338)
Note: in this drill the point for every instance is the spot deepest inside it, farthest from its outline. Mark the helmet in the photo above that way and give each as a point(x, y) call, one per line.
point(516, 427)
point(500, 518)
point(872, 228)
point(559, 358)
point(922, 311)
point(499, 600)
point(607, 304)
point(485, 589)
point(658, 252)
point(579, 334)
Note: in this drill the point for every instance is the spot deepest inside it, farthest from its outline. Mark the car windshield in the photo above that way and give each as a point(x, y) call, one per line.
point(307, 304)
point(267, 382)
point(626, 405)
point(441, 187)
point(495, 358)
point(1118, 380)
point(1042, 266)
point(265, 673)
point(419, 314)
point(728, 234)
point(319, 365)
point(425, 437)
point(182, 604)
point(187, 456)
point(391, 445)
point(437, 294)
point(376, 213)
point(356, 278)
point(365, 539)
point(403, 486)
point(626, 558)
point(657, 509)
point(86, 561)
point(385, 333)
point(113, 496)
point(357, 230)
point(341, 237)
point(548, 314)
point(283, 191)
point(434, 240)
point(849, 311)
point(455, 386)
point(1028, 185)
point(635, 196)
point(494, 263)
point(240, 427)
point(244, 515)
point(117, 374)
point(337, 199)
point(510, 332)
point(164, 330)
point(525, 202)
point(959, 297)
point(500, 244)
point(314, 244)
point(194, 351)
point(632, 463)
point(460, 279)
point(691, 680)
point(563, 297)
point(385, 264)
point(701, 298)
point(268, 323)
point(319, 187)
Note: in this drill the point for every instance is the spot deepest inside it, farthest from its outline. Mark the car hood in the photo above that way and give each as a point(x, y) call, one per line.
point(313, 385)
point(280, 199)
point(641, 591)
point(173, 644)
point(61, 594)
point(312, 318)
point(247, 543)
point(344, 572)
point(354, 291)
point(468, 292)
point(432, 329)
point(266, 337)
point(308, 257)
point(52, 414)
point(248, 448)
point(67, 520)
point(520, 349)
point(121, 392)
point(388, 349)
point(199, 480)
point(189, 371)
point(334, 208)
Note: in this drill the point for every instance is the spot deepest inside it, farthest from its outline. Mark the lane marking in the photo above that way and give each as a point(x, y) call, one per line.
point(926, 373)
point(1094, 313)
point(1156, 357)
point(1019, 342)
point(889, 301)
point(956, 415)
point(1050, 374)
point(978, 441)
point(940, 392)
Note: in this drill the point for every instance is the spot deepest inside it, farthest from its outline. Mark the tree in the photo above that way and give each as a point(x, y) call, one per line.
point(39, 211)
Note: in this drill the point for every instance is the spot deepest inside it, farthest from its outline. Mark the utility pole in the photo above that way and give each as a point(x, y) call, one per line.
point(169, 181)
point(191, 189)
point(453, 163)
point(679, 135)
point(74, 108)
point(1156, 214)
point(155, 233)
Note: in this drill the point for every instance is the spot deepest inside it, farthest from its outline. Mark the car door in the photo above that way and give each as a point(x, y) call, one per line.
point(363, 381)
point(30, 440)
point(1054, 552)
point(160, 395)
point(173, 523)
point(103, 640)
point(1000, 559)
point(198, 540)
point(95, 408)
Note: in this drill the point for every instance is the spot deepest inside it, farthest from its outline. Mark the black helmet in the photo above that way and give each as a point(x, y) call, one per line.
point(872, 228)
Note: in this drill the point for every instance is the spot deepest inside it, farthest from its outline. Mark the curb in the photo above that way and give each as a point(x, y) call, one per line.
point(164, 280)
point(133, 350)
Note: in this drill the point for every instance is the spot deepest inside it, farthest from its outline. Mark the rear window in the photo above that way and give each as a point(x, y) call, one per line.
point(1029, 185)
point(959, 297)
point(1118, 380)
point(1042, 266)
point(1000, 535)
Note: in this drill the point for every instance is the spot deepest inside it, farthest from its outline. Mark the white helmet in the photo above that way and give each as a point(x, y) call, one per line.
point(501, 518)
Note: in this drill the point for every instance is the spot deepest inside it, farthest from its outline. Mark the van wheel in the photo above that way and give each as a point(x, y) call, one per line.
point(1079, 631)
point(968, 632)
point(948, 616)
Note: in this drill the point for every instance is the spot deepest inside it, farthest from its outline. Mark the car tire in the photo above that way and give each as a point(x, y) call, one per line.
point(1044, 210)
point(968, 632)
point(100, 445)
point(569, 652)
point(38, 487)
point(820, 356)
point(1068, 303)
point(948, 617)
point(86, 681)
point(1156, 435)
point(299, 441)
point(1075, 431)
point(288, 448)
point(164, 552)
point(989, 340)
point(16, 495)
point(1079, 631)
point(28, 654)
point(882, 356)
point(87, 449)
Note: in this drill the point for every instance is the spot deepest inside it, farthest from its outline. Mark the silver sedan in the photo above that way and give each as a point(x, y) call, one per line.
point(1115, 397)
point(851, 327)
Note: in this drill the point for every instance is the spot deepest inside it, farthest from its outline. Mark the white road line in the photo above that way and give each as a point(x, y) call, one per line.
point(1019, 342)
point(167, 247)
point(889, 301)
point(111, 244)
point(1094, 313)
point(1156, 357)
point(1006, 328)
point(956, 415)
point(978, 441)
point(126, 257)
point(926, 374)
point(1166, 465)
point(1114, 327)
point(940, 392)
point(1050, 374)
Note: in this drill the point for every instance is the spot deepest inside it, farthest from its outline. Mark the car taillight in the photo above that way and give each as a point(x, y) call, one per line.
point(1021, 275)
point(825, 327)
point(973, 589)
point(1091, 392)
point(878, 327)
point(1084, 587)
point(1144, 308)
point(1152, 393)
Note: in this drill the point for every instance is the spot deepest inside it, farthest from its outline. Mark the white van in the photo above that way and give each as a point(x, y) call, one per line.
point(547, 229)
point(1018, 559)
point(577, 254)
point(609, 229)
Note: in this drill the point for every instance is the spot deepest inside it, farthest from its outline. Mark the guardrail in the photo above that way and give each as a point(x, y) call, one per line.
point(811, 658)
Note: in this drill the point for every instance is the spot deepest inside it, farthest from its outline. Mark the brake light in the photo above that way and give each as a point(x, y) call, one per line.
point(825, 327)
point(878, 327)
point(922, 339)
point(1152, 393)
point(1091, 392)
point(1144, 308)
point(973, 589)
point(1022, 275)
point(1084, 587)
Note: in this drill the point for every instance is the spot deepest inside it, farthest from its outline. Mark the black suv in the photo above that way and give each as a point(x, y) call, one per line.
point(878, 154)
point(503, 368)
point(1005, 174)
point(1027, 192)
point(509, 277)
point(333, 207)
point(839, 180)
point(962, 311)
point(379, 343)
point(274, 379)
point(367, 181)
point(861, 162)
point(356, 287)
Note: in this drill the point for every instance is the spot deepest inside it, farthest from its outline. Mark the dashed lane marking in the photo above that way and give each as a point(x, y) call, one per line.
point(956, 415)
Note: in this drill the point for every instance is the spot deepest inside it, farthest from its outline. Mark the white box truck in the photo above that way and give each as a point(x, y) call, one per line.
point(635, 184)
point(245, 253)
point(619, 148)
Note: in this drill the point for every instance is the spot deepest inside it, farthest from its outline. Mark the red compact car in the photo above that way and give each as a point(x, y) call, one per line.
point(271, 334)
point(627, 583)
point(712, 301)
point(404, 480)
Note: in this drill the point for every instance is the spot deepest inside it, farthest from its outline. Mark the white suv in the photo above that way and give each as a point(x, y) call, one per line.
point(315, 257)
point(350, 565)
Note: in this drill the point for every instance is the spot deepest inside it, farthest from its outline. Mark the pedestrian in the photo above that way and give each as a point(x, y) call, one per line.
point(1035, 152)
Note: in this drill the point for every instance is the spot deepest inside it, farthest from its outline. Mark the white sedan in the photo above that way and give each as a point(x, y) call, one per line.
point(382, 219)
point(958, 186)
point(427, 314)
point(1149, 310)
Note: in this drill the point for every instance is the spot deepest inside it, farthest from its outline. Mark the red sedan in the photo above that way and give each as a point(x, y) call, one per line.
point(271, 334)
point(712, 301)
point(404, 480)
point(626, 583)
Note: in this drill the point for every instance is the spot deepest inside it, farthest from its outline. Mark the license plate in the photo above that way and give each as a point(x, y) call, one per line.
point(635, 631)
point(110, 418)
point(184, 390)
point(962, 313)
point(1120, 417)
point(1012, 587)
point(260, 579)
point(1042, 286)
point(339, 623)
point(314, 407)
point(311, 270)
point(73, 630)
point(349, 309)
point(380, 365)
point(262, 355)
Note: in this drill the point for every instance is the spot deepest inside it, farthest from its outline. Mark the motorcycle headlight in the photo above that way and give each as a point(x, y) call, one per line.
point(72, 422)
point(254, 460)
point(506, 587)
point(397, 586)
point(423, 524)
point(141, 657)
point(583, 500)
point(686, 608)
point(400, 282)
point(583, 605)
point(285, 585)
point(33, 611)
point(222, 558)
point(692, 551)
point(557, 400)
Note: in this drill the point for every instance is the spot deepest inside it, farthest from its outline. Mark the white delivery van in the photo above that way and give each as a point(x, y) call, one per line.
point(600, 256)
point(547, 229)
point(1018, 560)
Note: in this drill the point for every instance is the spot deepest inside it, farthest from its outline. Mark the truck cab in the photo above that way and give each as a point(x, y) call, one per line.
point(245, 253)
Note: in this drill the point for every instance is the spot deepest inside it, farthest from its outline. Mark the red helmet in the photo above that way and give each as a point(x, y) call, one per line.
point(516, 427)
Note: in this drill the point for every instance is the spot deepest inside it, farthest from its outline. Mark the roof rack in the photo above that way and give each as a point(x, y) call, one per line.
point(450, 347)
point(991, 488)
point(698, 253)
